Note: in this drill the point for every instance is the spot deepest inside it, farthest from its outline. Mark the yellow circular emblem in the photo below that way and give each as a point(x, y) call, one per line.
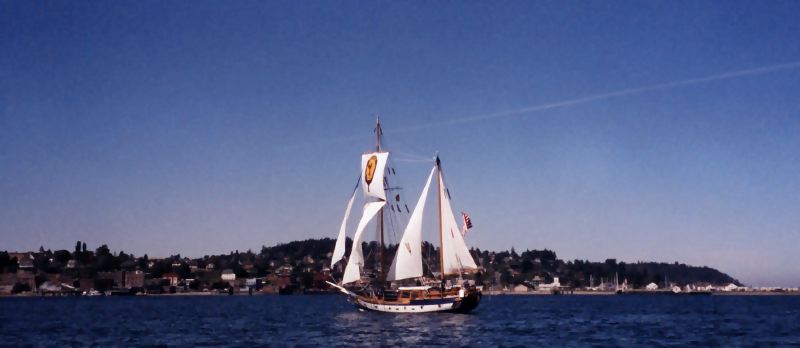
point(369, 170)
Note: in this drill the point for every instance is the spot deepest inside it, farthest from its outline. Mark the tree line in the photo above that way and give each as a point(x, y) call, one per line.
point(306, 257)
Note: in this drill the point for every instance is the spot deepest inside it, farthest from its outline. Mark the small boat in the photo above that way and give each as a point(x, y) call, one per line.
point(446, 293)
point(92, 292)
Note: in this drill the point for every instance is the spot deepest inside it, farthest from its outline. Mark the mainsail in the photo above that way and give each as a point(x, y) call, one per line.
point(455, 254)
point(353, 270)
point(408, 259)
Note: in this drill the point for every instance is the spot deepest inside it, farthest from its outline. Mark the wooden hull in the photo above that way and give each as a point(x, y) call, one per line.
point(453, 304)
point(426, 300)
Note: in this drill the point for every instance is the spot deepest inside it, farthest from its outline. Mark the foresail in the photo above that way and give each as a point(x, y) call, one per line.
point(338, 250)
point(353, 270)
point(456, 257)
point(408, 259)
point(372, 171)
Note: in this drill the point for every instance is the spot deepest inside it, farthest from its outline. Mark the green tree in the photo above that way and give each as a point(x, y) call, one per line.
point(184, 271)
point(77, 255)
point(5, 261)
point(160, 268)
point(143, 261)
point(62, 256)
point(104, 260)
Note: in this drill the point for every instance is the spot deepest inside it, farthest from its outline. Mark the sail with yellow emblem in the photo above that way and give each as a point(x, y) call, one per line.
point(373, 166)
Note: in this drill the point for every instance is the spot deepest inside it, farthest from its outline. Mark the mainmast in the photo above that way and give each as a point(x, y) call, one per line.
point(439, 195)
point(382, 277)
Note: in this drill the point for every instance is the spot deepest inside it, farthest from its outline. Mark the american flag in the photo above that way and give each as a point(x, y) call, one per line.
point(467, 223)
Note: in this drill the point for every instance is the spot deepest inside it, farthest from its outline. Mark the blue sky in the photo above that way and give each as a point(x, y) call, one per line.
point(205, 127)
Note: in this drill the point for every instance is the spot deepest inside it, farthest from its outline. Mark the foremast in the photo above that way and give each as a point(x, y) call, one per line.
point(373, 184)
point(382, 274)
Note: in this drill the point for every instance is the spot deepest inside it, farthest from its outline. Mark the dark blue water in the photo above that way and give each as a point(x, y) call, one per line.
point(330, 320)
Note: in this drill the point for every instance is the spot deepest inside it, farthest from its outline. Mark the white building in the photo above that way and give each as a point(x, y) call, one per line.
point(520, 288)
point(730, 287)
point(228, 275)
point(550, 287)
point(651, 287)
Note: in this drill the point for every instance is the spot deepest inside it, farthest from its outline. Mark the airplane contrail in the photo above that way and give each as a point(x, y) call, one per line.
point(619, 93)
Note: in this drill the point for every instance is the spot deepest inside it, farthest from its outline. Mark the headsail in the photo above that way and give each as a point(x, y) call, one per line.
point(372, 169)
point(338, 250)
point(455, 254)
point(408, 259)
point(353, 270)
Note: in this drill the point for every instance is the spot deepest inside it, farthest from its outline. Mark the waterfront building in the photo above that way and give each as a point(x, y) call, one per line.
point(228, 275)
point(134, 279)
point(521, 288)
point(730, 287)
point(550, 287)
point(173, 278)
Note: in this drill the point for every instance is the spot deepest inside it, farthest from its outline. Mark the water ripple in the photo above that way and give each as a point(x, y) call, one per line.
point(330, 321)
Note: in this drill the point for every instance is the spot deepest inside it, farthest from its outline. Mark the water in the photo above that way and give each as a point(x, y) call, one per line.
point(330, 320)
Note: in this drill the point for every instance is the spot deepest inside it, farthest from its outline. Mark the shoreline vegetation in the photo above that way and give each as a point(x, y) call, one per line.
point(302, 267)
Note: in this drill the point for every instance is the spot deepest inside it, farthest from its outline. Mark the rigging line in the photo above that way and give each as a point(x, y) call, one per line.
point(428, 264)
point(412, 156)
point(409, 160)
point(608, 95)
point(327, 141)
point(411, 146)
point(393, 224)
point(431, 253)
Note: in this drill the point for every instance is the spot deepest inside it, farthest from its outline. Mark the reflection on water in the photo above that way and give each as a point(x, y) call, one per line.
point(330, 320)
point(402, 329)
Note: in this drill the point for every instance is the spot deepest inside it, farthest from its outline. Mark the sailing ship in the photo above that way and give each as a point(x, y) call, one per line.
point(446, 293)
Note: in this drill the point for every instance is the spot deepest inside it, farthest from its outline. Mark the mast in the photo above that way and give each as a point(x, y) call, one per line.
point(382, 276)
point(441, 238)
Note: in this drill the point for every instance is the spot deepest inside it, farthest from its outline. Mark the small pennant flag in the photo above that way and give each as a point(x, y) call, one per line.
point(467, 223)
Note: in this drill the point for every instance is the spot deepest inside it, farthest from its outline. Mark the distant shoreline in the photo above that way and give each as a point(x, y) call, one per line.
point(494, 293)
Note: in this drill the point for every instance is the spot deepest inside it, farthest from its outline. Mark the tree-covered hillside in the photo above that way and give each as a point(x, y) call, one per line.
point(307, 263)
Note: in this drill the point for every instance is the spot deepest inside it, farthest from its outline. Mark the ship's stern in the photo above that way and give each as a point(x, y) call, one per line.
point(469, 302)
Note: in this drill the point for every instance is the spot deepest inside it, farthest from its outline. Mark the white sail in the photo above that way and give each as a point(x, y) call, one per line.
point(455, 254)
point(353, 270)
point(408, 259)
point(372, 169)
point(338, 250)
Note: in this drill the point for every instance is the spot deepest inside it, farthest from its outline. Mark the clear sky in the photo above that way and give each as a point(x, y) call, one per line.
point(665, 131)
